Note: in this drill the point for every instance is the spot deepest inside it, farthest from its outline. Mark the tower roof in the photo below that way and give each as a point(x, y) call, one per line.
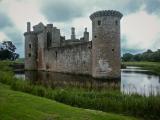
point(106, 13)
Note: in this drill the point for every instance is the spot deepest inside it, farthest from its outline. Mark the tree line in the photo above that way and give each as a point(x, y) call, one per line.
point(149, 55)
point(7, 51)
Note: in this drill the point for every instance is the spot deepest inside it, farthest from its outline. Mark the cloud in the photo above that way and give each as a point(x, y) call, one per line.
point(62, 11)
point(4, 21)
point(128, 6)
point(125, 6)
point(152, 6)
point(140, 24)
point(141, 30)
point(3, 36)
point(16, 36)
point(125, 48)
point(132, 51)
point(132, 6)
point(22, 11)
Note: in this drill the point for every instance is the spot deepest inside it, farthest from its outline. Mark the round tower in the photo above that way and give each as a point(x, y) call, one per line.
point(106, 44)
point(30, 49)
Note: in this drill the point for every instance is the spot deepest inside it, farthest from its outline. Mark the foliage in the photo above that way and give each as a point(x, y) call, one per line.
point(127, 57)
point(21, 106)
point(7, 51)
point(9, 46)
point(149, 55)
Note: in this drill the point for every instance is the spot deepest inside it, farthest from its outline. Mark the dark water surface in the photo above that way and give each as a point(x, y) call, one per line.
point(133, 80)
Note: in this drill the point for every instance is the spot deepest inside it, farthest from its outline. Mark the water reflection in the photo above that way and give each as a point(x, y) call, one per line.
point(53, 80)
point(133, 80)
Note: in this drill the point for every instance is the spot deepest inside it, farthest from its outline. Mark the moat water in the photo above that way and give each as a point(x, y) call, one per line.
point(133, 80)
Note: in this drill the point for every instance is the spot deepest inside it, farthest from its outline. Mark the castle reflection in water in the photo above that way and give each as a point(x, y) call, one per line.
point(133, 80)
point(53, 80)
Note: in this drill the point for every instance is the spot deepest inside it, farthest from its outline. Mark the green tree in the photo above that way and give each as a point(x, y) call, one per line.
point(149, 55)
point(7, 51)
point(137, 57)
point(127, 57)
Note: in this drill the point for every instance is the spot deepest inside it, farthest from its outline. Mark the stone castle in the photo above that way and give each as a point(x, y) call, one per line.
point(47, 50)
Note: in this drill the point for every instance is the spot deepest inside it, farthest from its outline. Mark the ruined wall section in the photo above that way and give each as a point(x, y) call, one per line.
point(56, 37)
point(42, 45)
point(74, 59)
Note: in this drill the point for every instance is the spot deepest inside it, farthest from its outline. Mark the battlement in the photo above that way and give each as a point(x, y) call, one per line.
point(106, 13)
point(30, 33)
point(50, 25)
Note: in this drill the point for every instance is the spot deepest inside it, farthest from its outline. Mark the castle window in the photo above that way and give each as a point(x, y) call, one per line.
point(29, 55)
point(95, 36)
point(56, 54)
point(29, 45)
point(49, 39)
point(116, 22)
point(99, 22)
point(112, 49)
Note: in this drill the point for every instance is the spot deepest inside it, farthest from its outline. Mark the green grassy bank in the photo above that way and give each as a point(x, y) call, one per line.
point(16, 105)
point(107, 100)
point(152, 66)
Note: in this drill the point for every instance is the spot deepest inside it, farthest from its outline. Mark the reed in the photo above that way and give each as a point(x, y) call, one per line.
point(108, 101)
point(105, 100)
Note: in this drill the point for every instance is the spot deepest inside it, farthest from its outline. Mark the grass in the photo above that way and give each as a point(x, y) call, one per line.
point(16, 105)
point(152, 66)
point(108, 101)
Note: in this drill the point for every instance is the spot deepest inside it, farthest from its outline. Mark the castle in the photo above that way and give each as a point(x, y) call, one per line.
point(47, 50)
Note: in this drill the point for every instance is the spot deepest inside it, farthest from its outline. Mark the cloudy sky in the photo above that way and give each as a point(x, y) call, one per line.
point(140, 25)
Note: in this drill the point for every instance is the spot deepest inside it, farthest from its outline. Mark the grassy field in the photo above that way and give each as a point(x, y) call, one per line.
point(21, 106)
point(152, 66)
point(106, 100)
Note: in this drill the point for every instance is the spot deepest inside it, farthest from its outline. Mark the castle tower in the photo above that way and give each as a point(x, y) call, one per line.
point(73, 36)
point(106, 44)
point(86, 35)
point(30, 49)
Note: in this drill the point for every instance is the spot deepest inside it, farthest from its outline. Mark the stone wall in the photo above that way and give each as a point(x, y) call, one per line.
point(75, 59)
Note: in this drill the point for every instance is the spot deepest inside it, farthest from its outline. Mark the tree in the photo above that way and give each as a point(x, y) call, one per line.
point(149, 55)
point(137, 57)
point(7, 51)
point(127, 57)
point(8, 45)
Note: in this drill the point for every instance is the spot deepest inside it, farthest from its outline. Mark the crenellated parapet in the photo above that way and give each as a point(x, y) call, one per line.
point(106, 13)
point(30, 33)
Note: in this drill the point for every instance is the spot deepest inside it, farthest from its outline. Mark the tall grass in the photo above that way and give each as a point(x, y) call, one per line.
point(108, 101)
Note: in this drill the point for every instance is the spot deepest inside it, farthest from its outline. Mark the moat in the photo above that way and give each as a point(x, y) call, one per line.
point(133, 80)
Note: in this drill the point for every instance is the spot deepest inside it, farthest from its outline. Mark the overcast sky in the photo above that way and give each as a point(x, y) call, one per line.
point(140, 25)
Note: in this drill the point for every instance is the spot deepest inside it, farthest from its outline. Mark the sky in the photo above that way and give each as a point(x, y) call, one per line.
point(140, 25)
